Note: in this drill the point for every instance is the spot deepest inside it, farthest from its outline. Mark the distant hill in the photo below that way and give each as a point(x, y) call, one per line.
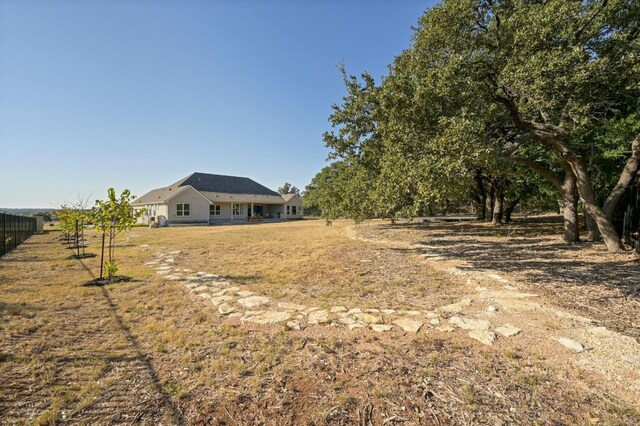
point(26, 212)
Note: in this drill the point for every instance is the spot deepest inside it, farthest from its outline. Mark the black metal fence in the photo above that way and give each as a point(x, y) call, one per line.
point(627, 219)
point(14, 230)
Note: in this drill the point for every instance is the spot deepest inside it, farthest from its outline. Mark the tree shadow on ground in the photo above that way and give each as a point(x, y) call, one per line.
point(582, 275)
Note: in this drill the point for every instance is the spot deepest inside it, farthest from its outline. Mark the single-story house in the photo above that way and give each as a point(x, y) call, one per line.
point(211, 199)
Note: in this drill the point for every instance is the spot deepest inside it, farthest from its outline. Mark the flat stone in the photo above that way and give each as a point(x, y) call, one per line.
point(169, 260)
point(153, 262)
point(408, 325)
point(269, 317)
point(388, 311)
point(470, 324)
point(454, 308)
point(226, 309)
point(446, 328)
point(144, 245)
point(187, 270)
point(164, 268)
point(372, 311)
point(244, 293)
point(519, 305)
point(381, 328)
point(318, 317)
point(312, 309)
point(483, 336)
point(434, 321)
point(571, 344)
point(337, 309)
point(172, 277)
point(205, 295)
point(356, 325)
point(291, 306)
point(200, 289)
point(412, 313)
point(346, 320)
point(216, 300)
point(492, 309)
point(210, 276)
point(293, 325)
point(367, 318)
point(508, 330)
point(354, 311)
point(253, 301)
point(201, 273)
point(234, 315)
point(175, 252)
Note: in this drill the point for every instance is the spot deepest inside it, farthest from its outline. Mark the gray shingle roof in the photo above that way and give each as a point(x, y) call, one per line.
point(208, 183)
point(226, 184)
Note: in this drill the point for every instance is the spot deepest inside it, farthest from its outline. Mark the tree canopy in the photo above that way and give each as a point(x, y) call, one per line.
point(494, 102)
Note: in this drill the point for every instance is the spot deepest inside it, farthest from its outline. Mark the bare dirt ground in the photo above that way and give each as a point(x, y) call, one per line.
point(153, 350)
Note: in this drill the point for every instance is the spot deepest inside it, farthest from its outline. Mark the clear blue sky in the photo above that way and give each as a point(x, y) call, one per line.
point(138, 94)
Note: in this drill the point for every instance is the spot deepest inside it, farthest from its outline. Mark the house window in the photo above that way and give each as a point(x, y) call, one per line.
point(238, 209)
point(183, 209)
point(293, 210)
point(214, 210)
point(288, 209)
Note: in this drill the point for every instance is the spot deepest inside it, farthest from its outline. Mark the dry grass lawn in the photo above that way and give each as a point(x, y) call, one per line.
point(147, 351)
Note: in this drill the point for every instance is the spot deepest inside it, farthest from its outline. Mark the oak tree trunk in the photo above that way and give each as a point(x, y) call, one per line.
point(570, 207)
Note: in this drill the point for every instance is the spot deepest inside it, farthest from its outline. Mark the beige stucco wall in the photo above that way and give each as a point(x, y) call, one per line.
point(295, 201)
point(199, 207)
point(225, 212)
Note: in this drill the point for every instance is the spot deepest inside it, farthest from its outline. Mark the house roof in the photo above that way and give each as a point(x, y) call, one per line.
point(213, 187)
point(288, 197)
point(205, 182)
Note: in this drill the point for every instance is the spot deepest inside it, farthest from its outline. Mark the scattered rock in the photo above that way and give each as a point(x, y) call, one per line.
point(492, 309)
point(336, 309)
point(318, 317)
point(367, 318)
point(205, 295)
point(253, 301)
point(519, 305)
point(216, 300)
point(483, 336)
point(446, 328)
point(571, 344)
point(454, 308)
point(354, 311)
point(226, 309)
point(508, 330)
point(601, 331)
point(470, 324)
point(356, 325)
point(381, 328)
point(347, 320)
point(269, 317)
point(388, 311)
point(372, 311)
point(175, 252)
point(200, 289)
point(408, 325)
point(244, 293)
point(434, 321)
point(293, 325)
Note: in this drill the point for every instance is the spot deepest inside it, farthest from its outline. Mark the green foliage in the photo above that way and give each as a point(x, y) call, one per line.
point(481, 86)
point(114, 216)
point(287, 188)
point(111, 268)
